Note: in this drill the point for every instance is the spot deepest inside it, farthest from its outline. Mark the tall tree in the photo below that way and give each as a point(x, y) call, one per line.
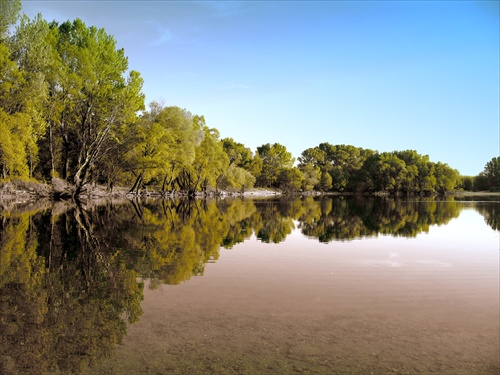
point(33, 50)
point(238, 154)
point(446, 177)
point(492, 172)
point(275, 158)
point(165, 144)
point(103, 98)
point(311, 176)
point(24, 60)
point(210, 161)
point(290, 180)
point(241, 164)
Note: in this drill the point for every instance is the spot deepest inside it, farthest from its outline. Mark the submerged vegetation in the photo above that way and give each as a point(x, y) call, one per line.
point(73, 114)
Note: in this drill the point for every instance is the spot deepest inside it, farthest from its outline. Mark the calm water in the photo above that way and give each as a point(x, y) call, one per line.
point(305, 286)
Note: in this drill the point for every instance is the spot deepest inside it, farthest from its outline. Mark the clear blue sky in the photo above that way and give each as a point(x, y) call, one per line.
point(391, 75)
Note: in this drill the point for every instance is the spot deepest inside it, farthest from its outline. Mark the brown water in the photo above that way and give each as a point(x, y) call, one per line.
point(422, 298)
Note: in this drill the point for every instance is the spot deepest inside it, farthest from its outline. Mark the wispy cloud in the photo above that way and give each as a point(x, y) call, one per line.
point(161, 35)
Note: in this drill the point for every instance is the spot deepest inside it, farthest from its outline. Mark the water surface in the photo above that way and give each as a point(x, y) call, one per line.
point(286, 286)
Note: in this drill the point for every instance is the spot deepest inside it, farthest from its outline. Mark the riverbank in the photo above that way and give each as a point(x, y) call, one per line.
point(23, 192)
point(475, 193)
point(28, 191)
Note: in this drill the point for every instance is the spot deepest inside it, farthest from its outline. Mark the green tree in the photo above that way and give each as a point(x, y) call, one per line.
point(255, 167)
point(311, 176)
point(290, 180)
point(100, 97)
point(446, 177)
point(275, 158)
point(24, 60)
point(343, 163)
point(492, 172)
point(411, 159)
point(9, 13)
point(13, 160)
point(388, 172)
point(325, 182)
point(236, 178)
point(33, 50)
point(164, 144)
point(481, 182)
point(426, 180)
point(210, 162)
point(241, 162)
point(467, 183)
point(315, 156)
point(237, 153)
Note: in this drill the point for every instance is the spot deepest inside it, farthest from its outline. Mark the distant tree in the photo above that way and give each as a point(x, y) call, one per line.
point(447, 178)
point(241, 163)
point(255, 167)
point(236, 178)
point(492, 172)
point(467, 183)
point(311, 176)
point(209, 164)
point(425, 180)
point(481, 182)
point(275, 158)
point(210, 161)
point(165, 143)
point(290, 180)
point(388, 173)
point(344, 162)
point(315, 156)
point(411, 159)
point(325, 182)
point(237, 153)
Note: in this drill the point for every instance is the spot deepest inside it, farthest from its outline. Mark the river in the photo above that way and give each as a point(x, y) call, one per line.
point(241, 286)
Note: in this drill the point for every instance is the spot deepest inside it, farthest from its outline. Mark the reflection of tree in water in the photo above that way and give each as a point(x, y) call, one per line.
point(69, 278)
point(273, 221)
point(169, 241)
point(345, 219)
point(239, 215)
point(331, 220)
point(63, 294)
point(491, 213)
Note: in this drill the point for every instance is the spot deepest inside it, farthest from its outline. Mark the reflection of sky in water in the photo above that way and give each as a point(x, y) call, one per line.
point(460, 246)
point(419, 304)
point(470, 225)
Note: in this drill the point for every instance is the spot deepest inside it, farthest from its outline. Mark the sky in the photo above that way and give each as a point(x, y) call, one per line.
point(388, 75)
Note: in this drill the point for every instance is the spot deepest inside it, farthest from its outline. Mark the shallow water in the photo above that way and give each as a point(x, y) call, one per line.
point(299, 287)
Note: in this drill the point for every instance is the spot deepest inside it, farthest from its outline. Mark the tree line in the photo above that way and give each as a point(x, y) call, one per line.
point(71, 109)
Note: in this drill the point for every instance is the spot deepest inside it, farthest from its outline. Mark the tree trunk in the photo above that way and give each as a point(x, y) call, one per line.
point(51, 148)
point(137, 183)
